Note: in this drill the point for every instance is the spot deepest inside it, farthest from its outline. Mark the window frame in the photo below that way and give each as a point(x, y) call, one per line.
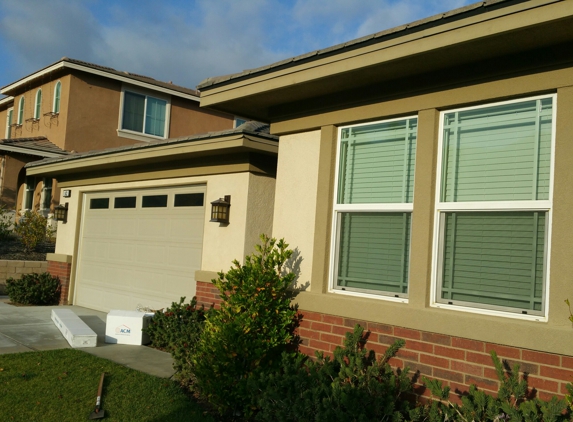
point(9, 119)
point(142, 136)
point(21, 104)
point(38, 104)
point(339, 209)
point(47, 190)
point(442, 208)
point(56, 103)
point(29, 193)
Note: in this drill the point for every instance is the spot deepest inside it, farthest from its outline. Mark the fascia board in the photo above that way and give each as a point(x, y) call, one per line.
point(6, 100)
point(230, 142)
point(445, 35)
point(86, 69)
point(29, 151)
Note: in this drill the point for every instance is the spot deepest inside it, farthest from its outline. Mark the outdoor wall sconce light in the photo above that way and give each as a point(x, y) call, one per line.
point(220, 210)
point(61, 213)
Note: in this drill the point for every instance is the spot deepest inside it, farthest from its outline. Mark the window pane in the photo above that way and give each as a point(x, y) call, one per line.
point(9, 118)
point(21, 111)
point(38, 108)
point(495, 259)
point(47, 193)
point(377, 163)
point(189, 199)
point(99, 203)
point(374, 251)
point(155, 117)
point(57, 96)
point(152, 201)
point(498, 153)
point(124, 202)
point(133, 106)
point(29, 194)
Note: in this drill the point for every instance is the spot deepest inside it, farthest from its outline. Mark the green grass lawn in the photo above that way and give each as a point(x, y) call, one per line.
point(61, 385)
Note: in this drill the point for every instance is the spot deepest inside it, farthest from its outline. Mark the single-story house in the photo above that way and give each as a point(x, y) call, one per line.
point(425, 176)
point(139, 227)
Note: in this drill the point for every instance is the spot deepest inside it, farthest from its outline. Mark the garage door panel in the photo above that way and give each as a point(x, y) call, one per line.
point(139, 255)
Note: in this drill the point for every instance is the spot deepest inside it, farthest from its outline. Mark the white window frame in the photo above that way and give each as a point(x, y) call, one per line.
point(441, 208)
point(21, 104)
point(338, 209)
point(9, 118)
point(57, 100)
point(38, 104)
point(142, 136)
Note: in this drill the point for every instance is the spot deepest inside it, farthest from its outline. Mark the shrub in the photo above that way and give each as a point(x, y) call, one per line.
point(5, 224)
point(34, 289)
point(177, 330)
point(248, 334)
point(353, 386)
point(32, 229)
point(513, 401)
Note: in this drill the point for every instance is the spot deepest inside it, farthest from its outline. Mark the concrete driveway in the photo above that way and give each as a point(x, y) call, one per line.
point(30, 328)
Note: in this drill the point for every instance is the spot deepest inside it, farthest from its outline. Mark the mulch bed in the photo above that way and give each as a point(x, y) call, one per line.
point(13, 250)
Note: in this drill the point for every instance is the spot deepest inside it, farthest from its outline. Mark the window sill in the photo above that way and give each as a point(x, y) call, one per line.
point(489, 312)
point(369, 295)
point(138, 136)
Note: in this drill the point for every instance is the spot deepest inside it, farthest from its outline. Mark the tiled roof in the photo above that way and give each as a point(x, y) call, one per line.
point(357, 43)
point(39, 143)
point(261, 130)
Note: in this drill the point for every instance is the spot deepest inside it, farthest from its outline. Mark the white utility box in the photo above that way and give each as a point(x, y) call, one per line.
point(124, 327)
point(75, 331)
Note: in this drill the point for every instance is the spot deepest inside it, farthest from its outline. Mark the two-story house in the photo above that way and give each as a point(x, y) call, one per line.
point(73, 106)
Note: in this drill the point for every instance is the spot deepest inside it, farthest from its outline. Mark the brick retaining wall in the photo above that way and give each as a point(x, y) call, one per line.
point(15, 269)
point(457, 362)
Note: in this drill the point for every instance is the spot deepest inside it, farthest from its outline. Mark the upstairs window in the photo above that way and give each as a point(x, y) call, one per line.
point(493, 207)
point(373, 208)
point(57, 96)
point(144, 114)
point(38, 105)
point(21, 111)
point(9, 119)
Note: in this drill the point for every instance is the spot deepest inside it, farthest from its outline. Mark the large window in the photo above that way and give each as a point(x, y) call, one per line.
point(373, 208)
point(144, 114)
point(57, 97)
point(21, 111)
point(38, 105)
point(493, 207)
point(9, 120)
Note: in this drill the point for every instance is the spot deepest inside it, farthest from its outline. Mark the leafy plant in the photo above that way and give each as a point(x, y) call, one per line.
point(177, 330)
point(32, 229)
point(570, 314)
point(5, 223)
point(512, 401)
point(34, 289)
point(353, 386)
point(248, 334)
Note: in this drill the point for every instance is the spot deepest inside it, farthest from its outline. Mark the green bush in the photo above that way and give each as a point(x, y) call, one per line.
point(177, 330)
point(34, 289)
point(5, 224)
point(353, 386)
point(32, 229)
point(513, 402)
point(248, 334)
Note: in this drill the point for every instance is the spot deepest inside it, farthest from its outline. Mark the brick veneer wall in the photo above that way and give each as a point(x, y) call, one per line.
point(15, 269)
point(61, 270)
point(457, 362)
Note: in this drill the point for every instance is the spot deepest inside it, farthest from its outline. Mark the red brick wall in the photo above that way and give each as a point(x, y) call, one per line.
point(457, 362)
point(62, 270)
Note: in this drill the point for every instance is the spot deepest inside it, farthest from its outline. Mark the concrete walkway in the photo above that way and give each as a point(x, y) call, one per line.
point(29, 328)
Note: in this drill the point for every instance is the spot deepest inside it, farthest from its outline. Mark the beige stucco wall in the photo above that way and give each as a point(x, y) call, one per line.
point(259, 217)
point(296, 181)
point(296, 197)
point(187, 118)
point(221, 243)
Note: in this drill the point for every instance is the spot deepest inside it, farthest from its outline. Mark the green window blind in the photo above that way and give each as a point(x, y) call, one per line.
point(38, 108)
point(377, 163)
point(373, 253)
point(495, 259)
point(498, 153)
point(133, 107)
point(155, 117)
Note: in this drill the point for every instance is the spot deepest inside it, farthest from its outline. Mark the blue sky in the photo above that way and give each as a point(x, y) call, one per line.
point(188, 41)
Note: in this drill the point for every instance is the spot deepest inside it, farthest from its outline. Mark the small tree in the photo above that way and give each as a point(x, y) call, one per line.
point(254, 325)
point(5, 223)
point(32, 229)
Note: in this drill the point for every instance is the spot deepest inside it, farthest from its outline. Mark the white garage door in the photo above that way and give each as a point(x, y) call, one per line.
point(139, 247)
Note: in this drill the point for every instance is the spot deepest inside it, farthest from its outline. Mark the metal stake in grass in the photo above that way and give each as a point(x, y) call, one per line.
point(98, 413)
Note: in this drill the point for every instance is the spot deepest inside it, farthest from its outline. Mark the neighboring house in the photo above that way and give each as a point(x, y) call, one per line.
point(74, 106)
point(425, 177)
point(139, 228)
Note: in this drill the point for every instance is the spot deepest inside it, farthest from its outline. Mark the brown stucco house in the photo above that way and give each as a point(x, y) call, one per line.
point(425, 177)
point(74, 106)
